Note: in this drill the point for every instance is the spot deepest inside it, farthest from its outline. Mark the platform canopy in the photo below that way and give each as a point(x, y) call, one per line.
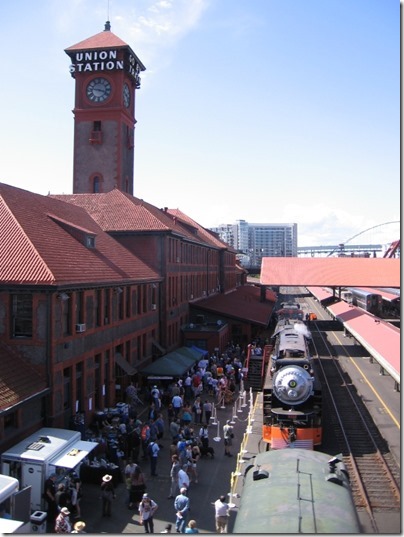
point(330, 271)
point(174, 364)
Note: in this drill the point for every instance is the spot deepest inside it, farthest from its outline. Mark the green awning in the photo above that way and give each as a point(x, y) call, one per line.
point(173, 364)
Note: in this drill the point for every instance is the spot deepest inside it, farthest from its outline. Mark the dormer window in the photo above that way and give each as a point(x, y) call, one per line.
point(83, 235)
point(90, 241)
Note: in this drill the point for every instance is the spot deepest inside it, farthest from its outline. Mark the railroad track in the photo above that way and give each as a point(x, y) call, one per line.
point(374, 474)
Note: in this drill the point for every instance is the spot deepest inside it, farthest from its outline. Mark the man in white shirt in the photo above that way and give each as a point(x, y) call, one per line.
point(183, 478)
point(177, 404)
point(153, 449)
point(221, 514)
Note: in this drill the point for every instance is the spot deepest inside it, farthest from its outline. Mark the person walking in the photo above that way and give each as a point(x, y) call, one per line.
point(221, 514)
point(107, 494)
point(181, 506)
point(138, 487)
point(154, 453)
point(175, 468)
point(207, 408)
point(228, 436)
point(197, 410)
point(177, 403)
point(147, 508)
point(183, 477)
point(191, 528)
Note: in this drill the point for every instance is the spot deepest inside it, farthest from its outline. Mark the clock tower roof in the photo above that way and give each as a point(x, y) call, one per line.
point(103, 40)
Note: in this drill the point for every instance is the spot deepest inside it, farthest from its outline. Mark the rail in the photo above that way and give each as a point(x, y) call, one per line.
point(374, 475)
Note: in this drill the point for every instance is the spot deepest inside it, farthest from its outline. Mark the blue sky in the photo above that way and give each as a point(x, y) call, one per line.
point(261, 110)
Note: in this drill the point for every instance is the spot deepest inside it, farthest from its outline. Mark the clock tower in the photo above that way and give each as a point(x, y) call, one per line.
point(106, 71)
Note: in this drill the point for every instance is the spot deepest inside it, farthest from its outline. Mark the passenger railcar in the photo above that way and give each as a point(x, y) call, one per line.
point(368, 301)
point(296, 491)
point(292, 397)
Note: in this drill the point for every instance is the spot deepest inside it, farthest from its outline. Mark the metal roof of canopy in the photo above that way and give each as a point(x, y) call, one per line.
point(334, 271)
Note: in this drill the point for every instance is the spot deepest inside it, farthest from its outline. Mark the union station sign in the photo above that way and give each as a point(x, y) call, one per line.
point(89, 61)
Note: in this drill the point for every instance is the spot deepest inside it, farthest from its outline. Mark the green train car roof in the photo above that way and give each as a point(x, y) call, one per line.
point(300, 495)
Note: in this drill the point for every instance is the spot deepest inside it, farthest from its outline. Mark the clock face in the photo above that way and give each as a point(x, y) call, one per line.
point(126, 95)
point(98, 90)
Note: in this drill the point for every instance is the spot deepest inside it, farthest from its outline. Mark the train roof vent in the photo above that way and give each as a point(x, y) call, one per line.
point(334, 479)
point(260, 474)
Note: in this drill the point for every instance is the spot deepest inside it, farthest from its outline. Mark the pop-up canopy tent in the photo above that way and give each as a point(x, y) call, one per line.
point(175, 363)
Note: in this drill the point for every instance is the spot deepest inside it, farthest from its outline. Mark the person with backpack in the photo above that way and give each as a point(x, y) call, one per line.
point(147, 508)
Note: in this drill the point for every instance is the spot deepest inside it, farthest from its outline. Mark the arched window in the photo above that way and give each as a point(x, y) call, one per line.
point(96, 183)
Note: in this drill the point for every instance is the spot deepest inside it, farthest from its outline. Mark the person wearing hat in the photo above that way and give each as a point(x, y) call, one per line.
point(79, 527)
point(107, 494)
point(228, 436)
point(62, 523)
point(147, 508)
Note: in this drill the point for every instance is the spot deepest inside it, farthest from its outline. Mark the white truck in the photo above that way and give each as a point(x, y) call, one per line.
point(43, 453)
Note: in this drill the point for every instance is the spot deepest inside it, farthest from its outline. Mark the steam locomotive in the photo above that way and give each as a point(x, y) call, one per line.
point(292, 397)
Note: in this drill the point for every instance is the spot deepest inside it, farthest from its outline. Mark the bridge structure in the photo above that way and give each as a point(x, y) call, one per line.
point(362, 250)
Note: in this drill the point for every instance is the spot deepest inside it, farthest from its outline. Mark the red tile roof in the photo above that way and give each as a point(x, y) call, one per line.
point(243, 303)
point(209, 236)
point(36, 246)
point(18, 380)
point(333, 271)
point(116, 211)
point(104, 39)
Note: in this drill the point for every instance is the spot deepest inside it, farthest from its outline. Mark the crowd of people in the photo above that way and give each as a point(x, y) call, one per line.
point(180, 411)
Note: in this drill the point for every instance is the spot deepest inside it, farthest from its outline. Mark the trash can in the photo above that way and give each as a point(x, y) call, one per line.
point(38, 521)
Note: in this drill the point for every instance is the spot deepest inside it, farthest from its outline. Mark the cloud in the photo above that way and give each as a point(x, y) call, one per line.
point(161, 23)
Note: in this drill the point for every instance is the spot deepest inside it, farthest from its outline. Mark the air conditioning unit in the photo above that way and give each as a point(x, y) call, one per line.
point(203, 293)
point(191, 297)
point(153, 306)
point(80, 327)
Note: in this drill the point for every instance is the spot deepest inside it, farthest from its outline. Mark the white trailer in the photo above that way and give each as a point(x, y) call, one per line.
point(47, 451)
point(16, 504)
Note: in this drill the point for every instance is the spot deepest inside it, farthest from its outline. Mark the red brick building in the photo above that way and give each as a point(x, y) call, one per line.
point(98, 284)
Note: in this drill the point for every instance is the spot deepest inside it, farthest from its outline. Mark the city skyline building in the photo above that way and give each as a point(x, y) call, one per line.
point(253, 241)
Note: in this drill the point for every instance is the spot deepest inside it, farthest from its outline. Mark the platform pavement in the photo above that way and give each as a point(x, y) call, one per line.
point(214, 480)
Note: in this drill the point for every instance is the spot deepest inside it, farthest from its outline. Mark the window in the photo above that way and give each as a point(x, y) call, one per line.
point(98, 307)
point(96, 133)
point(107, 306)
point(67, 389)
point(96, 185)
point(21, 316)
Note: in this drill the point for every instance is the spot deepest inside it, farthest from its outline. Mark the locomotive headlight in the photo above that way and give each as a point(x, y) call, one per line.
point(292, 383)
point(292, 394)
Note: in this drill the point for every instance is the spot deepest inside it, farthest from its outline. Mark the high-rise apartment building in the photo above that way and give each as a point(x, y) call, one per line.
point(255, 241)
